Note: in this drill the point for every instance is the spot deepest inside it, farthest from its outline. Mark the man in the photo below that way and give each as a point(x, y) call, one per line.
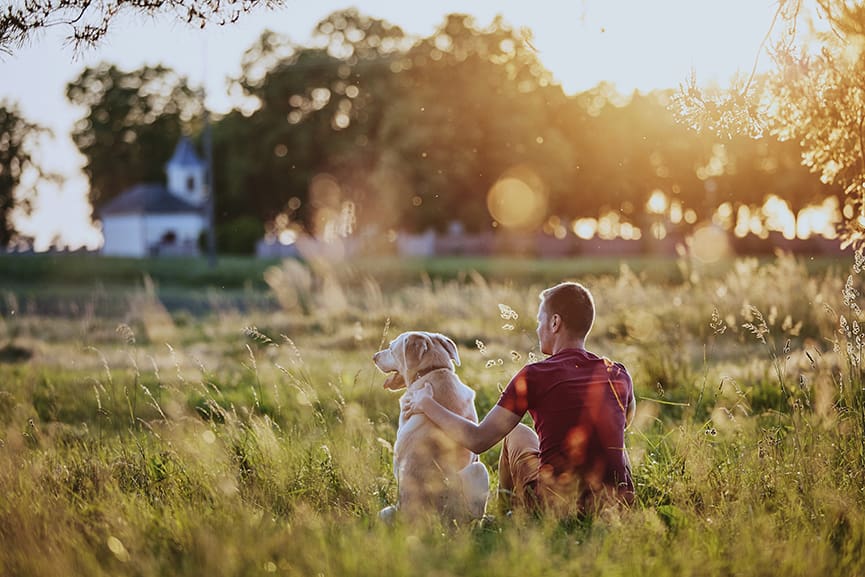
point(575, 460)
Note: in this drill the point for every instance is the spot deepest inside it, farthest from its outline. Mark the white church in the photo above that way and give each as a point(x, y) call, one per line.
point(158, 220)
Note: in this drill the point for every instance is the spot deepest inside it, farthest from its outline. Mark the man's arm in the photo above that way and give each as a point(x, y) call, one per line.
point(476, 437)
point(632, 408)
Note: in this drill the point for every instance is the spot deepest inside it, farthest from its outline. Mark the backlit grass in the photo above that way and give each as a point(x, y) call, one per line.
point(251, 440)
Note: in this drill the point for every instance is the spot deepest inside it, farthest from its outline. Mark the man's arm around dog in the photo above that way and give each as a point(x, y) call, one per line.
point(476, 437)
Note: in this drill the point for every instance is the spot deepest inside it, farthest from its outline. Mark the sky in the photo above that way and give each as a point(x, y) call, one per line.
point(634, 44)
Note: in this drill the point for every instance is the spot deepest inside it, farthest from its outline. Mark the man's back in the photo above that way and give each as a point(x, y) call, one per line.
point(579, 403)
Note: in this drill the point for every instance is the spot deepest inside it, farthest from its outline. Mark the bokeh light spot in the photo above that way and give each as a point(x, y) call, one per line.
point(518, 200)
point(709, 244)
point(657, 203)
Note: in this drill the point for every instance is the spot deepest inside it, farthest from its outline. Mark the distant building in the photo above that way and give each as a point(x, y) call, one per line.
point(151, 219)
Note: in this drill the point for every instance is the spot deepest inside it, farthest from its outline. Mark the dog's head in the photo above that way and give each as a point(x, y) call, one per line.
point(413, 353)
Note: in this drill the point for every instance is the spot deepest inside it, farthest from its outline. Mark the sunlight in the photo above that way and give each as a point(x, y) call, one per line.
point(690, 216)
point(555, 227)
point(657, 203)
point(332, 219)
point(779, 217)
point(608, 31)
point(518, 200)
point(709, 244)
point(630, 232)
point(287, 237)
point(819, 220)
point(723, 216)
point(659, 230)
point(676, 212)
point(743, 222)
point(661, 30)
point(585, 228)
point(610, 227)
point(776, 216)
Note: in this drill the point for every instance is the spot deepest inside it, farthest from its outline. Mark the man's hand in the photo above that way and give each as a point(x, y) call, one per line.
point(414, 400)
point(476, 437)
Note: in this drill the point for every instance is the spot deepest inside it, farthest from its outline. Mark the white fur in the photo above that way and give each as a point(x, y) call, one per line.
point(432, 471)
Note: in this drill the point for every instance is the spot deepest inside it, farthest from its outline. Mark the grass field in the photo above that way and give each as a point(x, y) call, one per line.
point(163, 418)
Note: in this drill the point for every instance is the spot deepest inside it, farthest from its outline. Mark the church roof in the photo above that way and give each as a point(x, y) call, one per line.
point(184, 154)
point(148, 199)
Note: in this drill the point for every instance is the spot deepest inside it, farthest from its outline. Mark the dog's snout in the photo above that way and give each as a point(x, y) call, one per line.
point(376, 356)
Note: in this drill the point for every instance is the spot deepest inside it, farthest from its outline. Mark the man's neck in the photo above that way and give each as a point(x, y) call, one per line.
point(569, 343)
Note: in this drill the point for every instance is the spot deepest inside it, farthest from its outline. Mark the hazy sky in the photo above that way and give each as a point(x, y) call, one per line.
point(636, 44)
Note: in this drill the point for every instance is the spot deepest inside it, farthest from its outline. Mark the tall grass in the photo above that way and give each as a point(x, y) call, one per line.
point(258, 442)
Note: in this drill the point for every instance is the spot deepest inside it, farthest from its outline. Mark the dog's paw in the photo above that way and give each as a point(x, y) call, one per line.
point(475, 481)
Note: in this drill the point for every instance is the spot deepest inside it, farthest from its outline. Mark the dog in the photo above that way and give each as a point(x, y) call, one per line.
point(433, 472)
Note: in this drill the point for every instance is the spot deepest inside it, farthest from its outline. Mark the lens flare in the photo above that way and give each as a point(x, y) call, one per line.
point(585, 228)
point(657, 203)
point(709, 244)
point(518, 200)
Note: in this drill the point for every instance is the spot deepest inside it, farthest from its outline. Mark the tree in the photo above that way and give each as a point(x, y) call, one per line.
point(416, 132)
point(820, 102)
point(89, 21)
point(815, 95)
point(319, 113)
point(473, 103)
point(16, 135)
point(133, 122)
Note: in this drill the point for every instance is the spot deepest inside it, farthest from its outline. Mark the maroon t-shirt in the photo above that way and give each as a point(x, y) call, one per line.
point(579, 403)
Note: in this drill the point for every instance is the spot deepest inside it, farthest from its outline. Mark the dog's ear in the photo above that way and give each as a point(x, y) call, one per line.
point(449, 346)
point(415, 346)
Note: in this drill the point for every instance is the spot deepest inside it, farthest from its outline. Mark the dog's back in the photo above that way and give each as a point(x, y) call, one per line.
point(427, 461)
point(434, 472)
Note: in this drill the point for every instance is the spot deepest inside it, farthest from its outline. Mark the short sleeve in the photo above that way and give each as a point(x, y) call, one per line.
point(624, 385)
point(515, 397)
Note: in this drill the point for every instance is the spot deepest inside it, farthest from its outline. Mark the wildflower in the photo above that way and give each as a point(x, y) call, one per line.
point(507, 312)
point(482, 348)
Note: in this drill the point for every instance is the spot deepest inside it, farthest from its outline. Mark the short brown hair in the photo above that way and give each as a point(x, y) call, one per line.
point(574, 304)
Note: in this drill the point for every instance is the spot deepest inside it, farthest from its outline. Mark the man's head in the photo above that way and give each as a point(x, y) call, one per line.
point(566, 314)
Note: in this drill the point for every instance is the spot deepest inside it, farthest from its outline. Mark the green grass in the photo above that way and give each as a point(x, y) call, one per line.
point(237, 272)
point(140, 439)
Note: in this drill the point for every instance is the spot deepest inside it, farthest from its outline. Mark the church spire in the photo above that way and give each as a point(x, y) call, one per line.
point(186, 173)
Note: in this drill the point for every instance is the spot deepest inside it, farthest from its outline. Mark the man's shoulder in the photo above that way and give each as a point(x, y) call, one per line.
point(613, 365)
point(572, 359)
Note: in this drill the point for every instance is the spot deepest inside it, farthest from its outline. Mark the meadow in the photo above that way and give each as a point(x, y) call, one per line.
point(167, 420)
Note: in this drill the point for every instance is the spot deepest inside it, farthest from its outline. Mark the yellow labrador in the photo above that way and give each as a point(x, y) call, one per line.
point(433, 472)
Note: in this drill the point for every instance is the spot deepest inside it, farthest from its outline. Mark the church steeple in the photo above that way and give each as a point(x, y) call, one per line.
point(186, 173)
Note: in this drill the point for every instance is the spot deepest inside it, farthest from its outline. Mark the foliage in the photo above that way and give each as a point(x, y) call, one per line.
point(16, 136)
point(239, 235)
point(820, 103)
point(319, 114)
point(415, 132)
point(813, 97)
point(88, 22)
point(132, 123)
point(370, 129)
